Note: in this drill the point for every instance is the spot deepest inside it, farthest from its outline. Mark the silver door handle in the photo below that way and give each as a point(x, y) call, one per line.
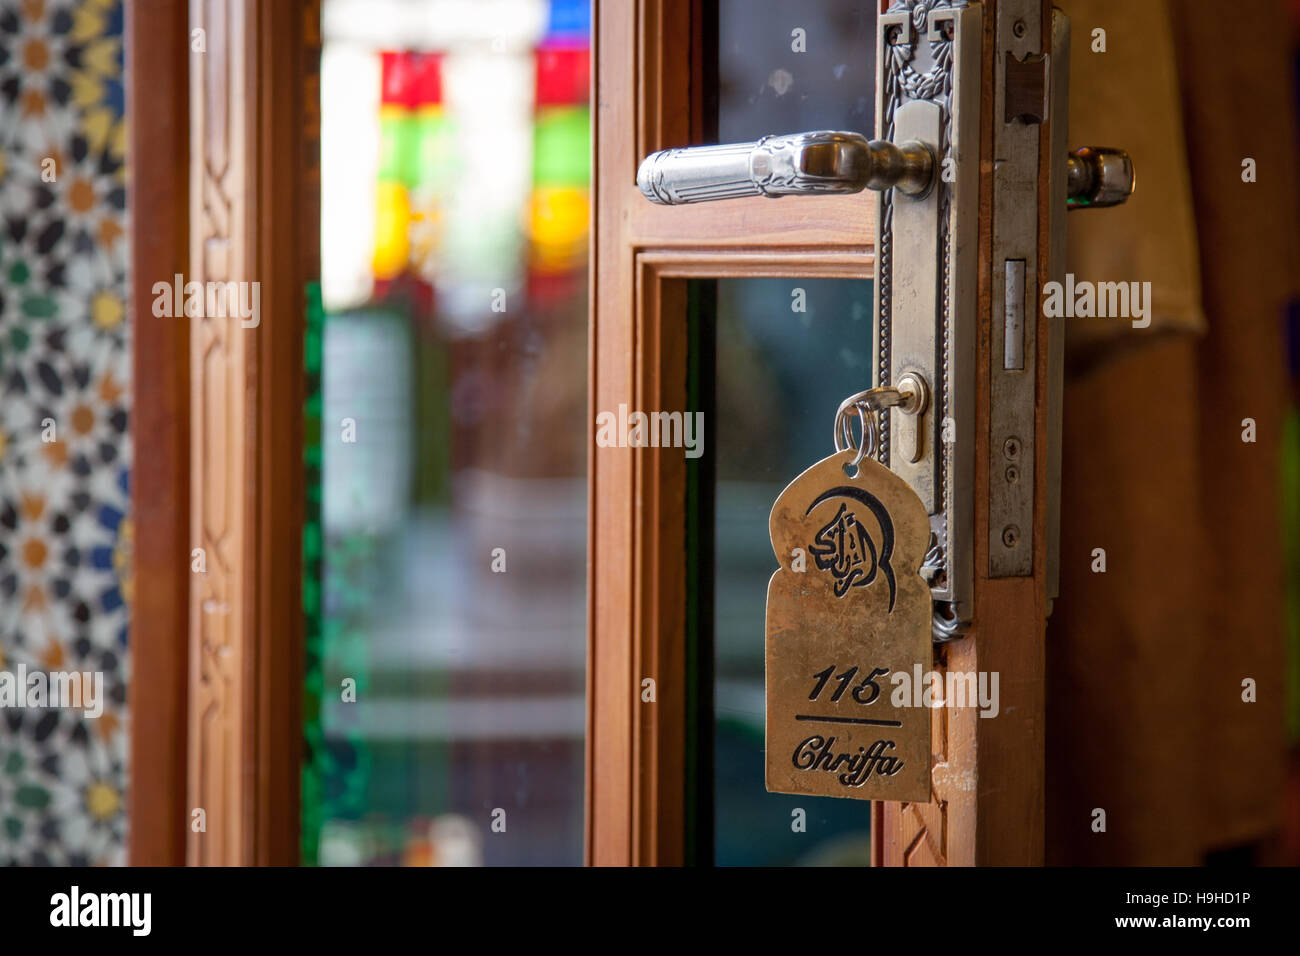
point(824, 161)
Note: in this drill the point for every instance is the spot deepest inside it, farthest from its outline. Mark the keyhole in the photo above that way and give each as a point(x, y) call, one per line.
point(911, 416)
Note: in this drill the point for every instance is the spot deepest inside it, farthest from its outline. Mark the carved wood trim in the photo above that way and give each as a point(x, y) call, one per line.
point(249, 213)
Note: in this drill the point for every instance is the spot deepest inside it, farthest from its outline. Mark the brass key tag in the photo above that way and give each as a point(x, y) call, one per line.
point(848, 610)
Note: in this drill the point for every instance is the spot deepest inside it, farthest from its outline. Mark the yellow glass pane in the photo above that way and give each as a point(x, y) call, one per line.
point(559, 218)
point(392, 230)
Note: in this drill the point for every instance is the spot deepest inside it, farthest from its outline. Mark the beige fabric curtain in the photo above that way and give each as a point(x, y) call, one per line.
point(1146, 661)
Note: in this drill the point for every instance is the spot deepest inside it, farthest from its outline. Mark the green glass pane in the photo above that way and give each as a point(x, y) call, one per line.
point(435, 155)
point(398, 139)
point(561, 147)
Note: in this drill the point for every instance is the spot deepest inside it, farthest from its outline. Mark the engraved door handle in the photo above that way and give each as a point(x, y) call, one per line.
point(824, 161)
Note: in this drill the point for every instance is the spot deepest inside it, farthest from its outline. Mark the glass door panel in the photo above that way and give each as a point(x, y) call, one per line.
point(776, 358)
point(773, 359)
point(787, 67)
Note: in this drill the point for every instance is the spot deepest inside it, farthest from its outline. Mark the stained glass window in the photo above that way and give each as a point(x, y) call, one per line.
point(446, 665)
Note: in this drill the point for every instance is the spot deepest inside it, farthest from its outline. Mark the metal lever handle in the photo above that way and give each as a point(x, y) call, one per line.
point(832, 162)
point(795, 164)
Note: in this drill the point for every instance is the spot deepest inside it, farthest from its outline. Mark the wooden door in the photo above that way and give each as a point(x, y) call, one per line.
point(656, 79)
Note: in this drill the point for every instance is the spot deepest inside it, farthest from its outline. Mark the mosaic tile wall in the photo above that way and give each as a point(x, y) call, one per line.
point(65, 531)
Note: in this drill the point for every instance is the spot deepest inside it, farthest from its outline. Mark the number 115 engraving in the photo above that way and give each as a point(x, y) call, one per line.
point(860, 693)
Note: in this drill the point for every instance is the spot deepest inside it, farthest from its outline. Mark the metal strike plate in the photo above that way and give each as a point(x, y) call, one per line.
point(927, 89)
point(1020, 107)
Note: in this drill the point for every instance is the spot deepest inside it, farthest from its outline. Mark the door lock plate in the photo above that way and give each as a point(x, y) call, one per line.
point(927, 89)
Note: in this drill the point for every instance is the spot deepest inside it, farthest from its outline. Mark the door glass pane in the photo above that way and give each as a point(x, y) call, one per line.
point(785, 353)
point(447, 561)
point(788, 67)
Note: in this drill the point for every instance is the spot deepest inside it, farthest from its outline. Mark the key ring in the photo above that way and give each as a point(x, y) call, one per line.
point(910, 395)
point(844, 431)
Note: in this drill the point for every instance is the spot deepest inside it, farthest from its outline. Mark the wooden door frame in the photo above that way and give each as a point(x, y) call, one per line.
point(157, 109)
point(223, 187)
point(988, 805)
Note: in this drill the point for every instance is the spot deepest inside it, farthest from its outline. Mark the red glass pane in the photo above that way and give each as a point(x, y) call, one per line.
point(563, 75)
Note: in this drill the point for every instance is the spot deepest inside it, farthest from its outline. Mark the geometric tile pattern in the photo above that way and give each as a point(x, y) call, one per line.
point(65, 452)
